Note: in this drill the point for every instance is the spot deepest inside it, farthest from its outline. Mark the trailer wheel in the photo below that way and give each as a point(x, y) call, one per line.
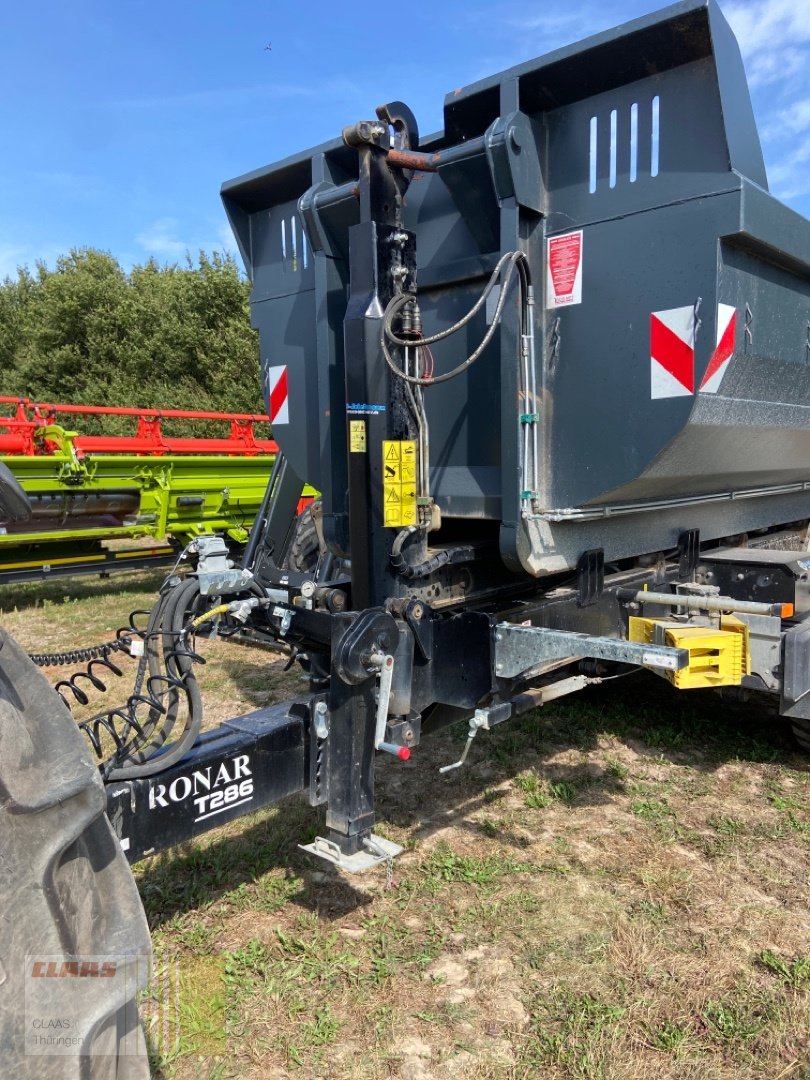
point(801, 732)
point(304, 550)
point(66, 890)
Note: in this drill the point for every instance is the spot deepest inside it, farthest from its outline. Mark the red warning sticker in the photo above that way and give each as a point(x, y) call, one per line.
point(564, 270)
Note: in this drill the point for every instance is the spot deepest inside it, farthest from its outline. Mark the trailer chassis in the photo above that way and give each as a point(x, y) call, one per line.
point(415, 637)
point(526, 652)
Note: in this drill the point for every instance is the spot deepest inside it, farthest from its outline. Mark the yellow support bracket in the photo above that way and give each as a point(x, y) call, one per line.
point(717, 657)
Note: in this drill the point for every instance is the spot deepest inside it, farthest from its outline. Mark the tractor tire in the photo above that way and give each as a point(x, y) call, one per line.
point(67, 895)
point(801, 732)
point(304, 549)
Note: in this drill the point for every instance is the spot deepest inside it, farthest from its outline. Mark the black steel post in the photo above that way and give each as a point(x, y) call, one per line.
point(381, 259)
point(352, 720)
point(376, 406)
point(350, 810)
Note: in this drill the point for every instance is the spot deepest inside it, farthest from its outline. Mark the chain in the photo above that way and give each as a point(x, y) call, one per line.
point(390, 882)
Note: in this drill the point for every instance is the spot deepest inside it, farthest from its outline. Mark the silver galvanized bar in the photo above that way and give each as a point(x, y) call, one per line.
point(520, 648)
point(708, 603)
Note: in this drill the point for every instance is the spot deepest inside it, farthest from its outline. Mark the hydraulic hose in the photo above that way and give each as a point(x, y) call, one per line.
point(148, 756)
point(527, 385)
point(511, 260)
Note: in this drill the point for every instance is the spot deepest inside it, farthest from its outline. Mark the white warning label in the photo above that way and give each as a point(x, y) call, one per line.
point(564, 270)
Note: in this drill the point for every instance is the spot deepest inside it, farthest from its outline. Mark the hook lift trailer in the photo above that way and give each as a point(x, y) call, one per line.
point(550, 369)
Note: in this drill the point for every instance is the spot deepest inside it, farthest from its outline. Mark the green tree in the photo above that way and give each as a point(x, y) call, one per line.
point(88, 332)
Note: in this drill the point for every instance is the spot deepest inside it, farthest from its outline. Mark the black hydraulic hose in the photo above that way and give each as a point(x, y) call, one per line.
point(401, 299)
point(165, 694)
point(162, 658)
point(153, 635)
point(397, 558)
point(422, 569)
point(146, 756)
point(173, 658)
point(511, 260)
point(419, 570)
point(88, 675)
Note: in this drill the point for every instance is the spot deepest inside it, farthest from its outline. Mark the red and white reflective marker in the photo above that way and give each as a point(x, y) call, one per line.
point(672, 353)
point(726, 333)
point(277, 395)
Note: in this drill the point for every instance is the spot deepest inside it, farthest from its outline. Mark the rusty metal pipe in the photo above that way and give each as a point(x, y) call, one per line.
point(412, 159)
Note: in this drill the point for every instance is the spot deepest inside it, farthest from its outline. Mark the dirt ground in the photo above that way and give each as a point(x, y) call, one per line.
point(615, 887)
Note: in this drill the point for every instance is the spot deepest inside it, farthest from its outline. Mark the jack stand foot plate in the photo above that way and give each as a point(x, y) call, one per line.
point(377, 850)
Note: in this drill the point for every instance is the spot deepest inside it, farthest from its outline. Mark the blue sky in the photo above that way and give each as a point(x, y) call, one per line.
point(121, 118)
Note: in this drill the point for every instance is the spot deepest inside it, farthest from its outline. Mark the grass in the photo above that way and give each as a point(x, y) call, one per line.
point(614, 888)
point(539, 794)
point(794, 972)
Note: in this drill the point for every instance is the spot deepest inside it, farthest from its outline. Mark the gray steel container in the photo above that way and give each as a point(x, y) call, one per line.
point(673, 315)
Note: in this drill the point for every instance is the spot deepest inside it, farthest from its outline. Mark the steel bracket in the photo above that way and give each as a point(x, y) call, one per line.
point(316, 231)
point(688, 553)
point(590, 576)
point(512, 154)
point(796, 677)
point(215, 570)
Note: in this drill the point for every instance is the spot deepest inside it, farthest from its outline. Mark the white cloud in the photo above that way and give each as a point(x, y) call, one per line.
point(765, 26)
point(519, 33)
point(160, 239)
point(163, 239)
point(557, 25)
point(774, 38)
point(226, 239)
point(789, 177)
point(794, 120)
point(11, 257)
point(780, 66)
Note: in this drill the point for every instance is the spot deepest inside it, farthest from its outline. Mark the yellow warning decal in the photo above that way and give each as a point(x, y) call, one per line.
point(357, 436)
point(399, 483)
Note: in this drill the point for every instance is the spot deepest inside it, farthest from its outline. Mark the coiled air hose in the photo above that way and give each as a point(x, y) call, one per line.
point(172, 692)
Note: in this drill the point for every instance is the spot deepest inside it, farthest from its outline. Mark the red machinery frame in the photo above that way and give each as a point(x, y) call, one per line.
point(18, 432)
